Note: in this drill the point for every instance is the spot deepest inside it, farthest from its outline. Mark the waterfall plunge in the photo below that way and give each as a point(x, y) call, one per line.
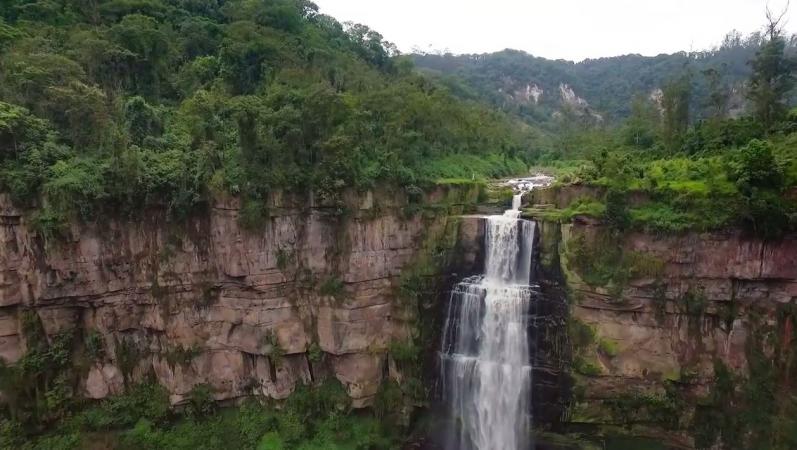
point(485, 356)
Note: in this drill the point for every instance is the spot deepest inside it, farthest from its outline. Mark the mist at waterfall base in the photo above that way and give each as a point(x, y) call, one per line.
point(486, 369)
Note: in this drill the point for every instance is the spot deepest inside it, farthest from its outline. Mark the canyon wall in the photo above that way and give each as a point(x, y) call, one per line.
point(656, 320)
point(313, 292)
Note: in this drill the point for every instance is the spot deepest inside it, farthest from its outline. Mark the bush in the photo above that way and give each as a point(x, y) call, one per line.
point(767, 214)
point(95, 346)
point(271, 441)
point(332, 287)
point(616, 212)
point(755, 166)
point(253, 214)
point(471, 167)
point(200, 402)
point(608, 347)
point(143, 401)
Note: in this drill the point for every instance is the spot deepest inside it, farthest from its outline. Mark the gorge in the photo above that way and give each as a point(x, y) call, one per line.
point(635, 354)
point(246, 224)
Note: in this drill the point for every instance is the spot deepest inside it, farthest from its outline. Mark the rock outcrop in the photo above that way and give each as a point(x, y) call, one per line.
point(653, 316)
point(311, 293)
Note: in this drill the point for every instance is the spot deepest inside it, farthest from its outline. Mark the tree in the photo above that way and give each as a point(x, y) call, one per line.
point(773, 75)
point(19, 130)
point(675, 103)
point(717, 101)
point(755, 166)
point(640, 129)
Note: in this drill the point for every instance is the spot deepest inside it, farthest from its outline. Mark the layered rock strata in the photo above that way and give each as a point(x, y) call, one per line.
point(309, 294)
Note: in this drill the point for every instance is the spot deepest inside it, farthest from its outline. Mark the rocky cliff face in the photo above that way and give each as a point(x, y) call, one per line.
point(310, 294)
point(656, 320)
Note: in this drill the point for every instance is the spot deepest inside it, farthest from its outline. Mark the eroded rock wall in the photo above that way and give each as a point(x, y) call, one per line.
point(652, 316)
point(311, 293)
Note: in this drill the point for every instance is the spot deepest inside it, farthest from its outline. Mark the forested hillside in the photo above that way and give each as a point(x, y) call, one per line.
point(671, 166)
point(165, 101)
point(531, 86)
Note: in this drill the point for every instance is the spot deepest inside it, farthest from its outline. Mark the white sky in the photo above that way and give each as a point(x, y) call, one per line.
point(566, 29)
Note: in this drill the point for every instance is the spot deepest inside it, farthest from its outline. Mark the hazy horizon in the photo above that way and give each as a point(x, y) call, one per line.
point(552, 30)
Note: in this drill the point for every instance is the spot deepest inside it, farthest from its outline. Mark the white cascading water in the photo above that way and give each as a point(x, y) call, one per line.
point(486, 366)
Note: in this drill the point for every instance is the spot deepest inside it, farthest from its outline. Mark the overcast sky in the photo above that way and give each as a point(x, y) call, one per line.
point(566, 29)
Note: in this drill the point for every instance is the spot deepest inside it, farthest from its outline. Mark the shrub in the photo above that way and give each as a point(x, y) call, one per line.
point(587, 367)
point(755, 166)
point(608, 347)
point(95, 345)
point(200, 402)
point(143, 401)
point(272, 347)
point(332, 287)
point(271, 441)
point(253, 214)
point(314, 352)
point(581, 334)
point(616, 212)
point(767, 214)
point(389, 399)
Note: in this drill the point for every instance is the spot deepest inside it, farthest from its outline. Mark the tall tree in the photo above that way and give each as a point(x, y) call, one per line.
point(773, 75)
point(717, 102)
point(675, 102)
point(640, 128)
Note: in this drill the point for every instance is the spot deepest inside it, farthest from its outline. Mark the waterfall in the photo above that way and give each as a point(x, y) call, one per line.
point(485, 357)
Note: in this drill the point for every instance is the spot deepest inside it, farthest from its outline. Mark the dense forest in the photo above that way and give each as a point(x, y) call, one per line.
point(132, 102)
point(608, 85)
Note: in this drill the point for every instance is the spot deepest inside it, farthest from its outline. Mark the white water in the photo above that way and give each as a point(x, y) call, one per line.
point(485, 355)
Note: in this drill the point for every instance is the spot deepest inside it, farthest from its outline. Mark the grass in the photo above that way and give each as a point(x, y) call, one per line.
point(670, 196)
point(663, 217)
point(462, 167)
point(580, 207)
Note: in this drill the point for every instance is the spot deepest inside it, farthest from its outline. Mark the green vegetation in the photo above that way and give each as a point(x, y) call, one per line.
point(744, 409)
point(660, 408)
point(580, 207)
point(112, 105)
point(758, 410)
point(600, 262)
point(613, 86)
point(668, 163)
point(608, 347)
point(314, 353)
point(37, 389)
point(313, 418)
point(583, 344)
point(742, 187)
point(472, 167)
point(94, 345)
point(272, 347)
point(181, 355)
point(332, 287)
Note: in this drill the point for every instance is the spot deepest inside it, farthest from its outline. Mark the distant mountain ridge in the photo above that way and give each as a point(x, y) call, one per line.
point(540, 89)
